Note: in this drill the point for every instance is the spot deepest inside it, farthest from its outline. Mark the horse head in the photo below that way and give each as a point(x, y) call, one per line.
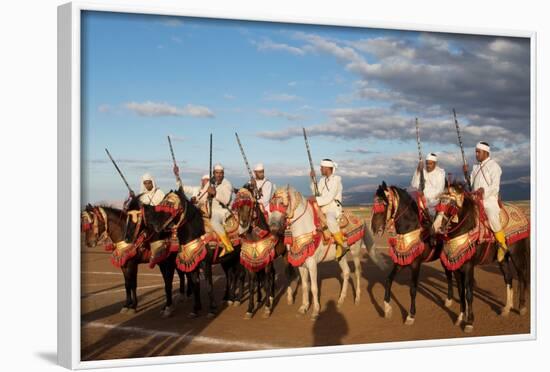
point(88, 224)
point(245, 206)
point(283, 204)
point(380, 208)
point(449, 208)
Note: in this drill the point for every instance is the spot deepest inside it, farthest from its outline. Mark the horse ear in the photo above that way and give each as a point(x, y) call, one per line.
point(384, 186)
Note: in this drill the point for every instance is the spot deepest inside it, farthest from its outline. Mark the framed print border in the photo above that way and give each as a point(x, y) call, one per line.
point(69, 188)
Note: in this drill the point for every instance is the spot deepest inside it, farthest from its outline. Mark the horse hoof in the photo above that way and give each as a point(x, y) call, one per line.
point(409, 321)
point(302, 310)
point(469, 328)
point(192, 315)
point(458, 322)
point(248, 316)
point(523, 311)
point(124, 310)
point(387, 310)
point(448, 303)
point(167, 312)
point(357, 301)
point(131, 311)
point(340, 303)
point(237, 303)
point(266, 314)
point(504, 312)
point(211, 315)
point(290, 301)
point(229, 302)
point(314, 316)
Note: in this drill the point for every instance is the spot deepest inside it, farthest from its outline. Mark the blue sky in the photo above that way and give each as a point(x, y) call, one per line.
point(355, 90)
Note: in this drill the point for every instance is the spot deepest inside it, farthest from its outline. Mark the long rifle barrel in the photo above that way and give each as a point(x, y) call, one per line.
point(173, 158)
point(256, 191)
point(314, 178)
point(119, 171)
point(422, 179)
point(461, 150)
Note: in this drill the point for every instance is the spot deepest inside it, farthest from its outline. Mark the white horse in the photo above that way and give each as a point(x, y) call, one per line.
point(289, 209)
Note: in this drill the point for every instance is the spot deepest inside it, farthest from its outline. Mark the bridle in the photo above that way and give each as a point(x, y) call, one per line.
point(96, 219)
point(282, 202)
point(449, 206)
point(390, 207)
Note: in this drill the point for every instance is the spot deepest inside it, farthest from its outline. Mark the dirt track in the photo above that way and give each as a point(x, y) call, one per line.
point(107, 334)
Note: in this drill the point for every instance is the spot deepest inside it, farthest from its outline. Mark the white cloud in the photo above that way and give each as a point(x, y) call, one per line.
point(150, 108)
point(283, 97)
point(104, 108)
point(281, 114)
point(267, 45)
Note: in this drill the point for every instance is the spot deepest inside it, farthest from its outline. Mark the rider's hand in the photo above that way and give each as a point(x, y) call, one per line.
point(465, 168)
point(132, 194)
point(176, 170)
point(212, 191)
point(194, 200)
point(312, 174)
point(420, 166)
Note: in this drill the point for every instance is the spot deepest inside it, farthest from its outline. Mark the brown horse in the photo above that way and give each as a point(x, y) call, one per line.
point(412, 245)
point(105, 226)
point(258, 250)
point(461, 220)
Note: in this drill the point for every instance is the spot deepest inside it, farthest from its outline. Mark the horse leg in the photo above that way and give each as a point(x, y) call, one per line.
point(459, 277)
point(128, 288)
point(228, 278)
point(469, 287)
point(251, 285)
point(210, 288)
point(304, 275)
point(449, 299)
point(133, 271)
point(345, 281)
point(387, 295)
point(167, 268)
point(181, 294)
point(194, 276)
point(241, 279)
point(357, 266)
point(269, 289)
point(312, 265)
point(520, 262)
point(415, 275)
point(506, 271)
point(289, 270)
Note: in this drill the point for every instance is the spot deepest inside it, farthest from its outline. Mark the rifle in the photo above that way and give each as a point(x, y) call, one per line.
point(174, 160)
point(120, 172)
point(462, 151)
point(314, 178)
point(256, 191)
point(211, 180)
point(422, 178)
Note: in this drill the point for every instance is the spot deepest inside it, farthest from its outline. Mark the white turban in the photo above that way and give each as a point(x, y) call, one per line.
point(431, 157)
point(328, 163)
point(147, 177)
point(218, 167)
point(483, 146)
point(205, 177)
point(259, 167)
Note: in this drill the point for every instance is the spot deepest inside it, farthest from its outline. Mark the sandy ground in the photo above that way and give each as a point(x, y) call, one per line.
point(107, 334)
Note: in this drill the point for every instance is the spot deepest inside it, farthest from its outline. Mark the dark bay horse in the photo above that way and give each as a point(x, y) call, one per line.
point(395, 205)
point(257, 239)
point(189, 232)
point(458, 218)
point(105, 226)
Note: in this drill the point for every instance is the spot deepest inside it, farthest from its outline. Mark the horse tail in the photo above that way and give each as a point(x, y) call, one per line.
point(368, 240)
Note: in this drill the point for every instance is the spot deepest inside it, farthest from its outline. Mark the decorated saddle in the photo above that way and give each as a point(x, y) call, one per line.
point(458, 250)
point(231, 227)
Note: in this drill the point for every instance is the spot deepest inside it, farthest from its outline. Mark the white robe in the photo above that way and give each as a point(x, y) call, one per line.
point(487, 175)
point(224, 192)
point(198, 192)
point(266, 187)
point(433, 187)
point(330, 199)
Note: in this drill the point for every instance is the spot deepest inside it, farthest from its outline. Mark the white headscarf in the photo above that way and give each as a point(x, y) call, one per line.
point(147, 177)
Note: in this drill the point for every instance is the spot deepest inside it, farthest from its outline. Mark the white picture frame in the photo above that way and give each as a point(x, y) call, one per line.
point(69, 142)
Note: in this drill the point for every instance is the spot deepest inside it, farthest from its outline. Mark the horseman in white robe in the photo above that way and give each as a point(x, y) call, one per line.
point(150, 194)
point(485, 176)
point(330, 201)
point(265, 186)
point(198, 195)
point(221, 192)
point(434, 178)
